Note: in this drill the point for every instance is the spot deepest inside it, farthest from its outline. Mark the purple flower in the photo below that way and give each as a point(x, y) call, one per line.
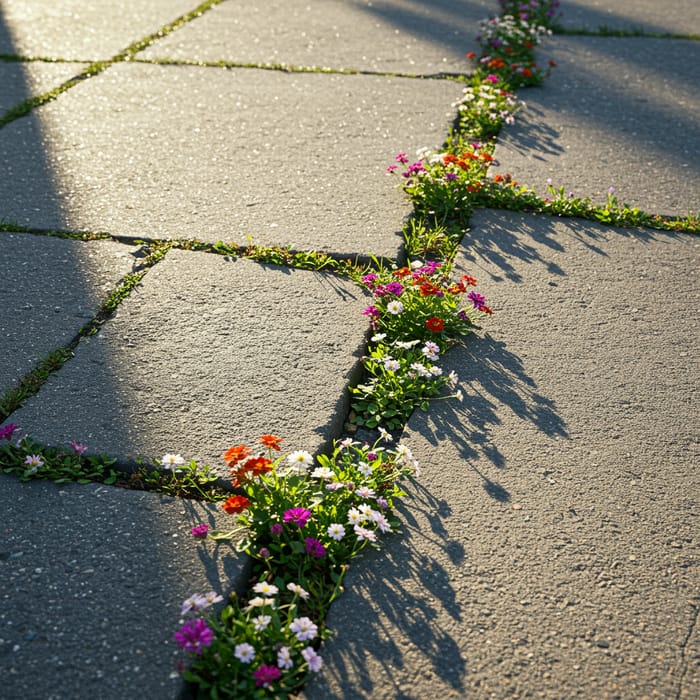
point(395, 288)
point(7, 430)
point(369, 280)
point(450, 176)
point(315, 548)
point(371, 456)
point(402, 158)
point(199, 532)
point(372, 311)
point(298, 516)
point(382, 502)
point(264, 553)
point(194, 635)
point(79, 449)
point(477, 299)
point(277, 529)
point(391, 168)
point(266, 675)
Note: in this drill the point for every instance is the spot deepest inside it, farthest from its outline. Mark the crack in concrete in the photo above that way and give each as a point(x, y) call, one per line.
point(684, 645)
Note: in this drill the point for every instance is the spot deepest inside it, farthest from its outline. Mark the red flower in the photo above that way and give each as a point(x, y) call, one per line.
point(486, 309)
point(471, 55)
point(235, 454)
point(428, 289)
point(271, 441)
point(235, 504)
point(498, 178)
point(468, 279)
point(402, 272)
point(527, 73)
point(256, 465)
point(435, 324)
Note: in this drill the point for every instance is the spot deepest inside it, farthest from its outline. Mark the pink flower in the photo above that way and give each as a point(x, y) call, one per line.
point(298, 516)
point(199, 532)
point(194, 635)
point(265, 675)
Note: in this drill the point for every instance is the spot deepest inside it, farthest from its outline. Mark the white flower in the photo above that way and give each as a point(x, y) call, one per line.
point(336, 531)
point(265, 588)
point(380, 520)
point(259, 602)
point(245, 653)
point(395, 307)
point(420, 369)
point(391, 365)
point(171, 461)
point(261, 622)
point(300, 459)
point(296, 588)
point(365, 492)
point(431, 350)
point(303, 628)
point(284, 658)
point(459, 395)
point(322, 473)
point(435, 371)
point(348, 442)
point(452, 379)
point(365, 509)
point(355, 517)
point(365, 534)
point(385, 435)
point(378, 337)
point(415, 264)
point(364, 469)
point(312, 658)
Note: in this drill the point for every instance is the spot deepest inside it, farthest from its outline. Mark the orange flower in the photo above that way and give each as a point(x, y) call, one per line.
point(527, 73)
point(256, 465)
point(235, 454)
point(235, 504)
point(471, 55)
point(435, 324)
point(428, 289)
point(402, 272)
point(449, 158)
point(486, 309)
point(498, 178)
point(458, 288)
point(272, 442)
point(468, 279)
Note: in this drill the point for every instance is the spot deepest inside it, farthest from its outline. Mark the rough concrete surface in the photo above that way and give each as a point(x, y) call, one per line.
point(63, 283)
point(388, 36)
point(80, 31)
point(679, 17)
point(612, 115)
point(550, 542)
point(93, 583)
point(163, 151)
point(208, 353)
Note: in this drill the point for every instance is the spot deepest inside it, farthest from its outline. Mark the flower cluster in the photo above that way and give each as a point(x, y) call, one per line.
point(538, 12)
point(302, 519)
point(485, 107)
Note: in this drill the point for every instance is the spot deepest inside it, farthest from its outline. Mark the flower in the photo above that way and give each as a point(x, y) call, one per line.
point(300, 459)
point(314, 547)
point(395, 307)
point(244, 652)
point(365, 534)
point(265, 588)
point(391, 365)
point(34, 461)
point(336, 531)
point(235, 454)
point(7, 430)
point(235, 504)
point(265, 675)
point(386, 436)
point(379, 519)
point(171, 461)
point(435, 324)
point(261, 622)
point(272, 442)
point(365, 492)
point(194, 635)
point(478, 300)
point(284, 658)
point(78, 448)
point(355, 517)
point(395, 288)
point(264, 553)
point(312, 658)
point(372, 311)
point(298, 590)
point(276, 529)
point(364, 469)
point(298, 516)
point(431, 350)
point(259, 602)
point(199, 532)
point(303, 628)
point(322, 473)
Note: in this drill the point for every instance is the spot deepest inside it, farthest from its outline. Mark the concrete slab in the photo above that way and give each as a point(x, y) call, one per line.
point(550, 545)
point(208, 353)
point(382, 35)
point(183, 152)
point(49, 289)
point(75, 30)
point(21, 81)
point(615, 112)
point(94, 580)
point(681, 17)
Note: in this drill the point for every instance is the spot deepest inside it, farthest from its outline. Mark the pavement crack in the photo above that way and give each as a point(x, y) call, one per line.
point(684, 646)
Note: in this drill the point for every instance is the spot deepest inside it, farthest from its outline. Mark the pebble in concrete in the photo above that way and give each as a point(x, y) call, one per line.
point(182, 152)
point(94, 579)
point(208, 353)
point(384, 35)
point(549, 540)
point(63, 283)
point(681, 17)
point(612, 115)
point(74, 30)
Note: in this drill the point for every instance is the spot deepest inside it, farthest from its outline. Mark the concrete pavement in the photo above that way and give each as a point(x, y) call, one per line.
point(562, 560)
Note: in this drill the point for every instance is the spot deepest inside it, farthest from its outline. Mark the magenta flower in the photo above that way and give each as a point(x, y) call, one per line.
point(372, 311)
point(402, 158)
point(477, 299)
point(264, 553)
point(194, 635)
point(7, 430)
point(370, 279)
point(276, 529)
point(79, 449)
point(298, 516)
point(395, 288)
point(199, 532)
point(266, 675)
point(315, 548)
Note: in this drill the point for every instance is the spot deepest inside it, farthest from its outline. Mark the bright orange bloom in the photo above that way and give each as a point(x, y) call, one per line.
point(486, 309)
point(402, 272)
point(458, 288)
point(428, 289)
point(471, 55)
point(235, 504)
point(486, 156)
point(496, 63)
point(468, 279)
point(498, 178)
point(256, 465)
point(449, 158)
point(527, 73)
point(435, 324)
point(271, 441)
point(235, 454)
